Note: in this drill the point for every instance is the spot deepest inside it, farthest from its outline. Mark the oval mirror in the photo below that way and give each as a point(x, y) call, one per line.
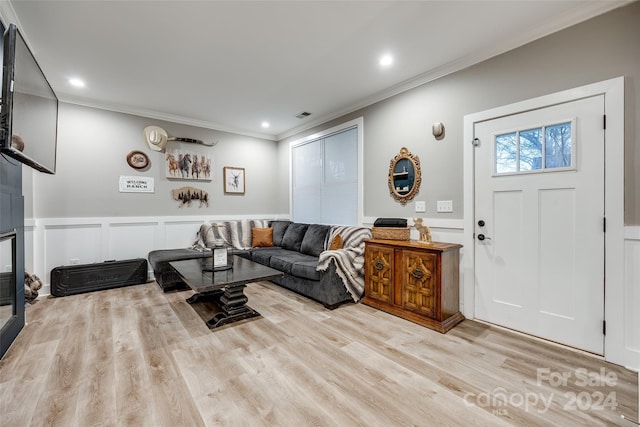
point(404, 176)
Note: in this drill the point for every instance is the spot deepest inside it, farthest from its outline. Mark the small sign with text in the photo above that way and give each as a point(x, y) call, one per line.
point(136, 184)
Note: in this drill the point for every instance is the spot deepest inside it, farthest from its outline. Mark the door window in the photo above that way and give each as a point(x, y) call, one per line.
point(540, 149)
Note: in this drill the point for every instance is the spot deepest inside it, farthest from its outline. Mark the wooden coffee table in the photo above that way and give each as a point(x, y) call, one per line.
point(225, 288)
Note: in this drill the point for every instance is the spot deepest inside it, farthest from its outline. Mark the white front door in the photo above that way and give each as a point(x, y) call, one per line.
point(539, 213)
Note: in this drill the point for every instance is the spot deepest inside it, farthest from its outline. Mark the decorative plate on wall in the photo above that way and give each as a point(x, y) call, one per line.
point(137, 160)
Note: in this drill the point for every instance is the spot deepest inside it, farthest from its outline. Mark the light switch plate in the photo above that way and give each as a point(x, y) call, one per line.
point(421, 206)
point(444, 206)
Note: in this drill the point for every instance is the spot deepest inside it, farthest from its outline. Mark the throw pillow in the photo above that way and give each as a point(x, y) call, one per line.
point(262, 237)
point(279, 228)
point(314, 239)
point(292, 238)
point(336, 243)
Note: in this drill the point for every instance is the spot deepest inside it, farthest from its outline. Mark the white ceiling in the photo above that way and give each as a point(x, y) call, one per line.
point(230, 65)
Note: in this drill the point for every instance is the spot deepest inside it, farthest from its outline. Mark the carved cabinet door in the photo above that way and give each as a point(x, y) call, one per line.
point(419, 282)
point(379, 272)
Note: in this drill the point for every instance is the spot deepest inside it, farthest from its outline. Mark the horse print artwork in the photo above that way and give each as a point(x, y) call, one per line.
point(187, 165)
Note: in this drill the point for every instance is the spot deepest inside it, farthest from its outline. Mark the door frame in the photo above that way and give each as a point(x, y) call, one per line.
point(613, 91)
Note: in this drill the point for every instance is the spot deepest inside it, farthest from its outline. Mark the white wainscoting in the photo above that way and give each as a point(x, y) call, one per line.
point(632, 296)
point(53, 242)
point(442, 230)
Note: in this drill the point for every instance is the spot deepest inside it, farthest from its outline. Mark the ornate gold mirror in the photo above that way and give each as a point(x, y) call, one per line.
point(404, 176)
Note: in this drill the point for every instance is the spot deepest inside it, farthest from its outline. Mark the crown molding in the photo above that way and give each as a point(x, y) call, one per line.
point(585, 11)
point(163, 116)
point(7, 13)
point(582, 12)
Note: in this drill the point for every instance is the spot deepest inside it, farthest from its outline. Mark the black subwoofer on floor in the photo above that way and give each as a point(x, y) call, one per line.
point(77, 279)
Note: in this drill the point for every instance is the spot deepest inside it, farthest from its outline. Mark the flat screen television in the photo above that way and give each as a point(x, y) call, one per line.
point(28, 108)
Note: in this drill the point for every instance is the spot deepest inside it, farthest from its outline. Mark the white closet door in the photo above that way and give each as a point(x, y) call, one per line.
point(340, 189)
point(307, 181)
point(325, 180)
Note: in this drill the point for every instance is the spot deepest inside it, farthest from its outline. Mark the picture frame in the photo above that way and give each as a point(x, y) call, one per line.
point(187, 164)
point(233, 180)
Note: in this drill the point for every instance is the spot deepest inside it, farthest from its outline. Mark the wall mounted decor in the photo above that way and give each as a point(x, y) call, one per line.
point(136, 184)
point(438, 130)
point(157, 138)
point(185, 195)
point(233, 180)
point(187, 164)
point(138, 160)
point(404, 176)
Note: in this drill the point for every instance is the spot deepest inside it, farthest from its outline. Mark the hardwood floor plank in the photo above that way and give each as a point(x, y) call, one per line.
point(169, 390)
point(134, 402)
point(136, 356)
point(97, 393)
point(57, 404)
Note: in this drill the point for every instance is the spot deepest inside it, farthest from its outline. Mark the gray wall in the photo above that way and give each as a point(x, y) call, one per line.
point(93, 143)
point(92, 149)
point(602, 48)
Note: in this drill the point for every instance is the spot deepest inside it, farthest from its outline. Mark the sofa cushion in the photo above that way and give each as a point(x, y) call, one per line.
point(285, 261)
point(261, 237)
point(314, 238)
point(279, 228)
point(263, 255)
point(307, 269)
point(292, 239)
point(159, 259)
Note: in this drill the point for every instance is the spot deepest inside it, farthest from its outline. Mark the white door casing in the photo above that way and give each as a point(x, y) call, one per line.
point(614, 350)
point(540, 269)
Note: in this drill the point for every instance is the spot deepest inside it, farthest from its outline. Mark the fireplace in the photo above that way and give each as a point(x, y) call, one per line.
point(7, 277)
point(9, 313)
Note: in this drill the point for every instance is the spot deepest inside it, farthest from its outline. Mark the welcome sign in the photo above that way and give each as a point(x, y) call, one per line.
point(136, 184)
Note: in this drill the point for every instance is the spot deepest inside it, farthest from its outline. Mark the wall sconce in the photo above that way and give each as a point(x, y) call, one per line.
point(438, 130)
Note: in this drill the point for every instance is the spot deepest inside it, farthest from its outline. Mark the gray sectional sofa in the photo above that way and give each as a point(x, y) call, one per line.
point(300, 251)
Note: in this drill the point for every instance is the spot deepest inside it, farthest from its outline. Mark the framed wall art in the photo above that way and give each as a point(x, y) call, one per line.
point(187, 164)
point(233, 180)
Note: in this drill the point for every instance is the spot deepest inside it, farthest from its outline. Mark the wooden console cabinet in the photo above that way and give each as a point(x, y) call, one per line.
point(417, 281)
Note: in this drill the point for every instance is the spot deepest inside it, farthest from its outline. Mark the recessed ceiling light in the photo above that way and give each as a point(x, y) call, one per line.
point(76, 82)
point(265, 124)
point(386, 60)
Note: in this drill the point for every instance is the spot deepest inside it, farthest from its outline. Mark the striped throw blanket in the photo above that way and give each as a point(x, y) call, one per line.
point(349, 260)
point(233, 233)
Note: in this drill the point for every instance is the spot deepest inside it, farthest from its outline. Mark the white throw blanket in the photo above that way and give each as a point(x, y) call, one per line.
point(349, 260)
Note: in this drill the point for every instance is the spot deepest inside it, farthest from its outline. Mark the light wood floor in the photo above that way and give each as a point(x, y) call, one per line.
point(138, 357)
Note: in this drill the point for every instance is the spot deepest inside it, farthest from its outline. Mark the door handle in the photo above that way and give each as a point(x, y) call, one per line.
point(483, 237)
